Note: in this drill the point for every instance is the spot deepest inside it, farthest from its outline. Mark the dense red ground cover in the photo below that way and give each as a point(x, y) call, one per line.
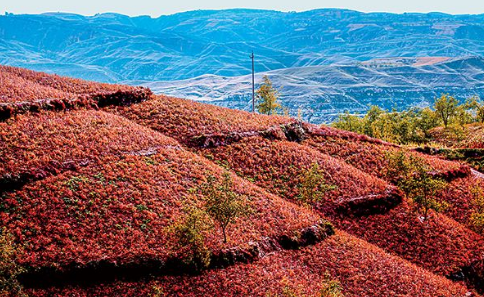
point(438, 244)
point(279, 166)
point(460, 197)
point(362, 269)
point(276, 165)
point(20, 85)
point(371, 158)
point(36, 143)
point(118, 210)
point(184, 119)
point(101, 187)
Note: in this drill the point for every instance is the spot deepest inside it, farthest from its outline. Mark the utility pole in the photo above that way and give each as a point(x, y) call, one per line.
point(253, 83)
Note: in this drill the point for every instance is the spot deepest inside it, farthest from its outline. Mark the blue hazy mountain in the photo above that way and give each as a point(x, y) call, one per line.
point(326, 59)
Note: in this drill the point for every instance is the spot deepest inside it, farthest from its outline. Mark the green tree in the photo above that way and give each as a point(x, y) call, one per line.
point(477, 216)
point(424, 188)
point(446, 108)
point(189, 237)
point(465, 112)
point(426, 120)
point(480, 112)
point(349, 122)
point(9, 269)
point(412, 175)
point(222, 203)
point(313, 186)
point(411, 126)
point(370, 118)
point(477, 106)
point(268, 98)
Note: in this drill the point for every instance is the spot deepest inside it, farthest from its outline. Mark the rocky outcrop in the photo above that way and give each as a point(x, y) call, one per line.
point(119, 98)
point(371, 204)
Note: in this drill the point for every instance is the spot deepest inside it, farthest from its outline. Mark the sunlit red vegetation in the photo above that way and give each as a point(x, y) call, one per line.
point(20, 85)
point(402, 232)
point(362, 269)
point(276, 166)
point(49, 142)
point(118, 204)
point(460, 197)
point(184, 119)
point(25, 91)
point(370, 157)
point(104, 188)
point(119, 209)
point(279, 166)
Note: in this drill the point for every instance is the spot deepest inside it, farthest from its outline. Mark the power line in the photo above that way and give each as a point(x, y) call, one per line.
point(253, 83)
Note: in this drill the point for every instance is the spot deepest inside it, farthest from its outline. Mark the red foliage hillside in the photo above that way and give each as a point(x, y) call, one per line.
point(370, 157)
point(21, 85)
point(402, 233)
point(459, 194)
point(25, 91)
point(53, 141)
point(118, 206)
point(87, 191)
point(186, 119)
point(279, 166)
point(362, 269)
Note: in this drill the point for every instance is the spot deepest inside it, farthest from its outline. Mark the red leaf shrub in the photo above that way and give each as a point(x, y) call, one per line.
point(362, 269)
point(33, 147)
point(278, 166)
point(118, 209)
point(185, 119)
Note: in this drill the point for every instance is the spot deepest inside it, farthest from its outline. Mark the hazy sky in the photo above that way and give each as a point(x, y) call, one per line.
point(163, 7)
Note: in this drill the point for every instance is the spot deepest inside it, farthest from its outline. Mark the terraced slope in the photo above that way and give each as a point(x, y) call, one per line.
point(362, 269)
point(20, 85)
point(186, 120)
point(361, 204)
point(279, 166)
point(270, 157)
point(91, 196)
point(24, 90)
point(114, 204)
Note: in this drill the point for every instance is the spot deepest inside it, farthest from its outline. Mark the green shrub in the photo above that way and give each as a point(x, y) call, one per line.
point(330, 287)
point(313, 186)
point(189, 237)
point(9, 269)
point(477, 216)
point(412, 175)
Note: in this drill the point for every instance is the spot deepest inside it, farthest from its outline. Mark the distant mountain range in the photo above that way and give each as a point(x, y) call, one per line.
point(327, 61)
point(323, 92)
